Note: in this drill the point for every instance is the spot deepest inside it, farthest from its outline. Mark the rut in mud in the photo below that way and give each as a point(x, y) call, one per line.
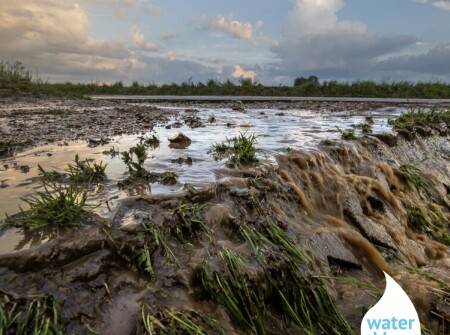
point(297, 248)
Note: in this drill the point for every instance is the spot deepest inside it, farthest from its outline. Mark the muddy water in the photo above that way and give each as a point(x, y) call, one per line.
point(276, 130)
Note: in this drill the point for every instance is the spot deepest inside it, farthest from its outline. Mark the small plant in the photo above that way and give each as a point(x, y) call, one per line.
point(145, 261)
point(55, 207)
point(348, 134)
point(151, 141)
point(191, 222)
point(134, 159)
point(366, 128)
point(169, 178)
point(413, 175)
point(23, 317)
point(170, 321)
point(238, 150)
point(85, 172)
point(158, 236)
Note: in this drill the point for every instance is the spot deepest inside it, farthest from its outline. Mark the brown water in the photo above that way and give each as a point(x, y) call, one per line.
point(276, 132)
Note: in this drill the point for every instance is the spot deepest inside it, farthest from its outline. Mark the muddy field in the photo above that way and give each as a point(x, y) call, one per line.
point(179, 236)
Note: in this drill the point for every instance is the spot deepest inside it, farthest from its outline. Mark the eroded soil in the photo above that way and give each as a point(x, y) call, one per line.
point(324, 222)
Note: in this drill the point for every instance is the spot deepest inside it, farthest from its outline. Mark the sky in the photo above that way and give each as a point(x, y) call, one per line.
point(268, 41)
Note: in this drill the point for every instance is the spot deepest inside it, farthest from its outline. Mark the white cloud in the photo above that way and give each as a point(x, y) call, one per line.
point(237, 29)
point(316, 41)
point(240, 73)
point(442, 4)
point(52, 38)
point(139, 39)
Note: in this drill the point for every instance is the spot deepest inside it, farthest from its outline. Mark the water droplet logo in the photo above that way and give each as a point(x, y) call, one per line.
point(394, 314)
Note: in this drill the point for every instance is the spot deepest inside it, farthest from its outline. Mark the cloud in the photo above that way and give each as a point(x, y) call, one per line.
point(315, 41)
point(139, 39)
point(152, 9)
point(234, 28)
point(435, 61)
point(442, 4)
point(240, 73)
point(52, 37)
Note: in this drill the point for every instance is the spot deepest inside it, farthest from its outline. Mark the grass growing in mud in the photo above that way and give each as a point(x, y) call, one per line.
point(421, 118)
point(238, 150)
point(37, 317)
point(190, 224)
point(84, 172)
point(54, 207)
point(284, 288)
point(170, 321)
point(415, 177)
point(348, 134)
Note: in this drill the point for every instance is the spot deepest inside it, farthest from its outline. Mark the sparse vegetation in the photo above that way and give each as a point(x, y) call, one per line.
point(415, 177)
point(151, 142)
point(191, 222)
point(170, 321)
point(347, 134)
point(169, 178)
point(134, 159)
point(410, 120)
point(55, 207)
point(23, 317)
point(84, 172)
point(238, 150)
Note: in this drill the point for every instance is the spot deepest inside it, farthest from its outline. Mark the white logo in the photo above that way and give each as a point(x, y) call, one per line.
point(394, 314)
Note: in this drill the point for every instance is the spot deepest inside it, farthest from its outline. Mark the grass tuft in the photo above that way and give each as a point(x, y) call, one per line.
point(348, 134)
point(84, 172)
point(191, 223)
point(36, 317)
point(410, 120)
point(169, 178)
point(171, 321)
point(55, 207)
point(238, 150)
point(415, 177)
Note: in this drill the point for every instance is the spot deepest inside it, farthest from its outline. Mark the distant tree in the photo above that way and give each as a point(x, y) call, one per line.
point(311, 80)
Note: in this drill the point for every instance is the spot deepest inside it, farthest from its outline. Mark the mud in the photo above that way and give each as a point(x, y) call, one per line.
point(347, 206)
point(26, 124)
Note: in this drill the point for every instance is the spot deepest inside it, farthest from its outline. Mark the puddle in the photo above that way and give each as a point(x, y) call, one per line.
point(276, 131)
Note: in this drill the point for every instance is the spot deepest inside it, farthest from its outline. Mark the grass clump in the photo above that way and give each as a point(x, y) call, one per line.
point(284, 289)
point(84, 172)
point(348, 134)
point(159, 238)
point(171, 321)
point(415, 177)
point(23, 317)
point(432, 223)
point(410, 120)
point(169, 178)
point(189, 222)
point(55, 207)
point(239, 150)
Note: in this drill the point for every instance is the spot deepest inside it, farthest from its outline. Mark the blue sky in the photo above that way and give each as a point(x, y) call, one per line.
point(270, 41)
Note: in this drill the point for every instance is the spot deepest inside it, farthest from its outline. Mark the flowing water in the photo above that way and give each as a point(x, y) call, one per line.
point(277, 131)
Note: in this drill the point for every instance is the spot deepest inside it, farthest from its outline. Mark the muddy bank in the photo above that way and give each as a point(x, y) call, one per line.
point(27, 123)
point(271, 250)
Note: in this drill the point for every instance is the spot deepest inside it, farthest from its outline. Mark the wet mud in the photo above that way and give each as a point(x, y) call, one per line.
point(271, 248)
